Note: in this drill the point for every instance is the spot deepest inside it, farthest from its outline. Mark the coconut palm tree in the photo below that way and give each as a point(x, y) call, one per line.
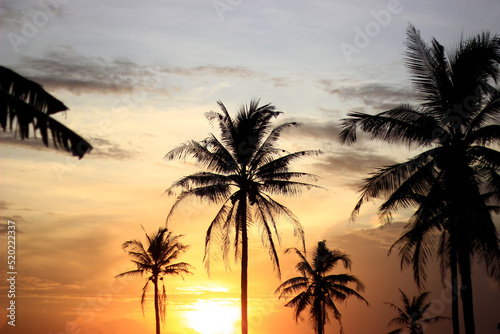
point(24, 102)
point(317, 289)
point(411, 316)
point(454, 182)
point(243, 168)
point(154, 259)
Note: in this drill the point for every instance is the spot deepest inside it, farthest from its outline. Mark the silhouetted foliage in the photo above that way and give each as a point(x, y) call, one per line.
point(24, 103)
point(316, 289)
point(154, 259)
point(455, 183)
point(411, 316)
point(243, 169)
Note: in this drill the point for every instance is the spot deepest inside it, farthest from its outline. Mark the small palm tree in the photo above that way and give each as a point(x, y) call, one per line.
point(155, 260)
point(411, 316)
point(244, 168)
point(317, 289)
point(26, 102)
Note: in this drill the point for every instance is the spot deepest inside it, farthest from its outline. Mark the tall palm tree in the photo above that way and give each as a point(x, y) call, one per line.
point(244, 167)
point(24, 102)
point(317, 289)
point(154, 259)
point(411, 316)
point(456, 180)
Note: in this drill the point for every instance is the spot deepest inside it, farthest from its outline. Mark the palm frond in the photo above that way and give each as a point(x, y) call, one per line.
point(489, 114)
point(282, 164)
point(401, 124)
point(420, 60)
point(267, 150)
point(292, 286)
point(485, 136)
point(24, 102)
point(212, 193)
point(131, 273)
point(386, 180)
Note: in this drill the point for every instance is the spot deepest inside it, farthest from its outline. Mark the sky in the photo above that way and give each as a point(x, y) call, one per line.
point(138, 77)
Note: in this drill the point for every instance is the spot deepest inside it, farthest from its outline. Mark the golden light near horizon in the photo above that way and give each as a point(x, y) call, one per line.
point(213, 317)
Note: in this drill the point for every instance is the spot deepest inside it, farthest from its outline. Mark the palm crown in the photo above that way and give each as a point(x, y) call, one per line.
point(244, 165)
point(317, 289)
point(412, 315)
point(155, 259)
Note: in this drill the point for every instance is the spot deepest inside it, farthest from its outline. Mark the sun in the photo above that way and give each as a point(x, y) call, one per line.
point(213, 316)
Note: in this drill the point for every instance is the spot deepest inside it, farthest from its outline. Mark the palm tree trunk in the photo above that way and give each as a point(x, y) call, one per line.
point(454, 293)
point(467, 301)
point(321, 325)
point(242, 215)
point(157, 311)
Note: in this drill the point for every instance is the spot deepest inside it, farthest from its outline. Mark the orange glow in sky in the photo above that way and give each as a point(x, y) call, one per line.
point(138, 78)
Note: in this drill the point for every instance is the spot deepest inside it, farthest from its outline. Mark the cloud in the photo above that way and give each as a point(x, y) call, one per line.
point(198, 289)
point(104, 148)
point(320, 130)
point(221, 71)
point(336, 158)
point(377, 96)
point(31, 283)
point(280, 81)
point(325, 130)
point(63, 68)
point(19, 220)
point(4, 205)
point(352, 161)
point(380, 237)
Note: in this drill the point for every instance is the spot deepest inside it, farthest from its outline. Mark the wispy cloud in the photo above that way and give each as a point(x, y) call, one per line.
point(4, 205)
point(377, 96)
point(63, 68)
point(221, 71)
point(32, 283)
point(379, 237)
point(358, 159)
point(328, 130)
point(360, 162)
point(5, 208)
point(105, 148)
point(198, 289)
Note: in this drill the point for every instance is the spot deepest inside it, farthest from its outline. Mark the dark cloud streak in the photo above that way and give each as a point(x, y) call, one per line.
point(380, 97)
point(63, 68)
point(352, 161)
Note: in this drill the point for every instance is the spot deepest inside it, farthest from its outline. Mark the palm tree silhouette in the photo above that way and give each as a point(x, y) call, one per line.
point(318, 290)
point(244, 168)
point(411, 316)
point(155, 260)
point(454, 182)
point(26, 102)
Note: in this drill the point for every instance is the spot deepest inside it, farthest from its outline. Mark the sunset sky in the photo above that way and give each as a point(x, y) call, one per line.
point(138, 77)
